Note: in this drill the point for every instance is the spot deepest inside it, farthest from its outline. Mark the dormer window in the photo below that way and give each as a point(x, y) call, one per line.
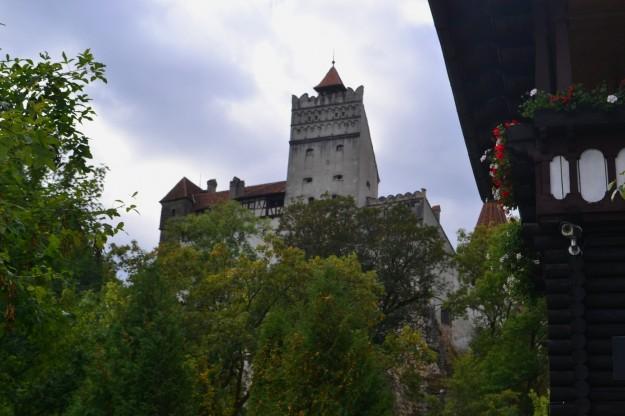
point(338, 177)
point(308, 180)
point(339, 147)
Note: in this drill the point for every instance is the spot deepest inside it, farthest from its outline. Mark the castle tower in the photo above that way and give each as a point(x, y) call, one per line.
point(330, 146)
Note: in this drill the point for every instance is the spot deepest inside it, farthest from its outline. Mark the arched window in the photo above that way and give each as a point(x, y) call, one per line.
point(559, 178)
point(592, 175)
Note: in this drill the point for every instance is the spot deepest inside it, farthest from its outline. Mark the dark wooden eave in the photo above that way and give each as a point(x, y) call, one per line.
point(489, 51)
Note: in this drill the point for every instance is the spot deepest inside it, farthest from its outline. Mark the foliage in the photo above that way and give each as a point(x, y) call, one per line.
point(408, 257)
point(316, 357)
point(576, 97)
point(52, 228)
point(142, 368)
point(507, 359)
point(228, 289)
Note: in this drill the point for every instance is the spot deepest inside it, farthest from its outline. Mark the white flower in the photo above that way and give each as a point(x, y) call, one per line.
point(533, 92)
point(519, 256)
point(612, 98)
point(483, 158)
point(536, 261)
point(503, 258)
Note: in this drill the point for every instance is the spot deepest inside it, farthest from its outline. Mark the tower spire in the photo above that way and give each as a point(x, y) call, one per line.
point(331, 82)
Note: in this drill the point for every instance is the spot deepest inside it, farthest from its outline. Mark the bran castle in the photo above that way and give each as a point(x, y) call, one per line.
point(330, 154)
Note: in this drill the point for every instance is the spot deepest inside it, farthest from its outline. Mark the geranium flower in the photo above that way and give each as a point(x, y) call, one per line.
point(533, 92)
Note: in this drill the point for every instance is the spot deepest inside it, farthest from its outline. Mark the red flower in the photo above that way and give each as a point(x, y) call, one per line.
point(505, 194)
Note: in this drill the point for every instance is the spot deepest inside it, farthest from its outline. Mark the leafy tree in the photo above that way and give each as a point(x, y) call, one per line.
point(52, 228)
point(316, 357)
point(506, 364)
point(228, 289)
point(408, 257)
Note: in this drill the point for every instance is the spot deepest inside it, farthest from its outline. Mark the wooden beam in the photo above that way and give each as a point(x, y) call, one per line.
point(542, 65)
point(564, 73)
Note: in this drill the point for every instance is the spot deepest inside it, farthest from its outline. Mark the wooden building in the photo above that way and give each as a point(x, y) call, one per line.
point(562, 161)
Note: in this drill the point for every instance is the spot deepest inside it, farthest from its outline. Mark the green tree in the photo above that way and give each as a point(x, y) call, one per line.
point(408, 257)
point(228, 288)
point(507, 361)
point(52, 227)
point(316, 357)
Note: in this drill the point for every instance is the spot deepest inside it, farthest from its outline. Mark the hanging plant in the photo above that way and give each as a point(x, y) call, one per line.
point(499, 166)
point(574, 98)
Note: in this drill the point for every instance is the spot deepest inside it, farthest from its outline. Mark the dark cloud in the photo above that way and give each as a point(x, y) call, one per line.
point(171, 101)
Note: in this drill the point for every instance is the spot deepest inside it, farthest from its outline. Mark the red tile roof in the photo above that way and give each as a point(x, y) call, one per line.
point(183, 189)
point(331, 82)
point(492, 214)
point(202, 199)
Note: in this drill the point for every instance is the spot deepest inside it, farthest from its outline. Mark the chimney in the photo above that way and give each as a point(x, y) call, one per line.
point(436, 210)
point(211, 185)
point(237, 188)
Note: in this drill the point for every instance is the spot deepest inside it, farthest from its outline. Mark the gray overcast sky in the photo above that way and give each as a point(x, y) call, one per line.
point(201, 88)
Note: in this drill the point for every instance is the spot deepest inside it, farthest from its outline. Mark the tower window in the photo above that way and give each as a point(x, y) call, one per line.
point(309, 152)
point(338, 177)
point(339, 147)
point(308, 180)
point(368, 185)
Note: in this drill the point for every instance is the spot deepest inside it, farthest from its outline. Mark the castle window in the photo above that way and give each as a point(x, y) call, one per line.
point(338, 177)
point(308, 180)
point(173, 212)
point(339, 147)
point(311, 199)
point(368, 185)
point(309, 152)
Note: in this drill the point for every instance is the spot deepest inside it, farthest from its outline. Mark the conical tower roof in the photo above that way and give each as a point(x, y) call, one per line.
point(331, 82)
point(492, 214)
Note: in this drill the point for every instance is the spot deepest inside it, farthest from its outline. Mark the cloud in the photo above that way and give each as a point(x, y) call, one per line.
point(202, 88)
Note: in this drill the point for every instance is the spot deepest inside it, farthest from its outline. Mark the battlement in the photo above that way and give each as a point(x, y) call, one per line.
point(340, 97)
point(406, 197)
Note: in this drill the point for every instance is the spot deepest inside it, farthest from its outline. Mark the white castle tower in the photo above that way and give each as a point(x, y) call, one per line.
point(330, 146)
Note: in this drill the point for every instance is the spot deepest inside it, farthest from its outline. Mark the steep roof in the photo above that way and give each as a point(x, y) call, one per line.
point(183, 189)
point(331, 82)
point(203, 199)
point(492, 214)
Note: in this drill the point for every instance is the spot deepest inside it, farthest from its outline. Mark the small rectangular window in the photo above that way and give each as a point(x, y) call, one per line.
point(339, 147)
point(338, 177)
point(307, 180)
point(309, 152)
